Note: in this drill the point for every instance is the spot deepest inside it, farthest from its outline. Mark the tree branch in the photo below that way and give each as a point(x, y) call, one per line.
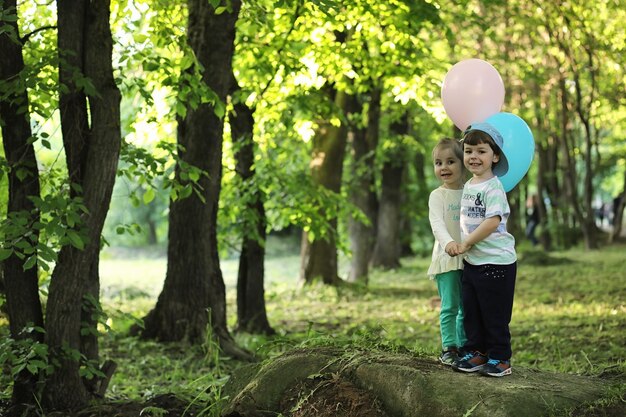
point(25, 38)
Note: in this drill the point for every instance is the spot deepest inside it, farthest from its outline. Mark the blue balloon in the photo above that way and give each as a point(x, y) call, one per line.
point(518, 147)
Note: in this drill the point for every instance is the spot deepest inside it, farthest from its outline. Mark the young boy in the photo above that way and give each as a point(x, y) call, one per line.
point(490, 261)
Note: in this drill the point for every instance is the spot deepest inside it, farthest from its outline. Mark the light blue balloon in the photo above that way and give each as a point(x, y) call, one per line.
point(519, 146)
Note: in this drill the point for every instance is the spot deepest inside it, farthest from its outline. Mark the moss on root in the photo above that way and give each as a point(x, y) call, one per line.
point(332, 381)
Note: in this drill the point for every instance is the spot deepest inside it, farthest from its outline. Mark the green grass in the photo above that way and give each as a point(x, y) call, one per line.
point(569, 313)
point(569, 316)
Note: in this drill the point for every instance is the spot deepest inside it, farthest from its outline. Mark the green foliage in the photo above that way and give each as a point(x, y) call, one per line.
point(36, 242)
point(25, 354)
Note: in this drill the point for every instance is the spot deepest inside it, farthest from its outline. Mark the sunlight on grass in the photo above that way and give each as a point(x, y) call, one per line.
point(147, 274)
point(565, 317)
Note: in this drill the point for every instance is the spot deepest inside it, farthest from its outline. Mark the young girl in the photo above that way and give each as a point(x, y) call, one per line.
point(443, 212)
point(490, 263)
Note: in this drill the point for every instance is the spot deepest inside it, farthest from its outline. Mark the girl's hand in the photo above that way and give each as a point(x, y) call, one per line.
point(452, 249)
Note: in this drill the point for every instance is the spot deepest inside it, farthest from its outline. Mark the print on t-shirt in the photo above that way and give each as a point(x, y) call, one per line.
point(478, 210)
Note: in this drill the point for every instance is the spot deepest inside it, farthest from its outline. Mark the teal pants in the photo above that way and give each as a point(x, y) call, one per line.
point(451, 315)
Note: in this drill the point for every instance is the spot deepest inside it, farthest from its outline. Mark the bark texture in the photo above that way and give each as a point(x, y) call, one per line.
point(22, 292)
point(251, 312)
point(193, 298)
point(90, 123)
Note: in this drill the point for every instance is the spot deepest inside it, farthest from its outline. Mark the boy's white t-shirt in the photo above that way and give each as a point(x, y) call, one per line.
point(479, 202)
point(444, 207)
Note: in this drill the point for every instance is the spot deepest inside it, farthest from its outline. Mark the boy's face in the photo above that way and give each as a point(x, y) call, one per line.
point(479, 159)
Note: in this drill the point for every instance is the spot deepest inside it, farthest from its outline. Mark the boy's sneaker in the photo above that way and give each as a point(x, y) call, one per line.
point(449, 356)
point(495, 367)
point(471, 362)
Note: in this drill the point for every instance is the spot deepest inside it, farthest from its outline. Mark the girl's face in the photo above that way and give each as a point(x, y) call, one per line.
point(448, 168)
point(479, 159)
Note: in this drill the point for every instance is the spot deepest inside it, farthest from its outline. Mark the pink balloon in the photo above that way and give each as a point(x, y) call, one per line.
point(472, 91)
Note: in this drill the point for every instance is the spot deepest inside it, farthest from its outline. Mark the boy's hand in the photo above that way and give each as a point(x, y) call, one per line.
point(463, 247)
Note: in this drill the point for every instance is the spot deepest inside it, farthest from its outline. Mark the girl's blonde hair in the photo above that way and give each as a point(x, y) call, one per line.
point(449, 143)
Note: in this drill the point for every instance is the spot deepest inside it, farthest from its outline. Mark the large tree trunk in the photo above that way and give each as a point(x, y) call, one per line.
point(319, 257)
point(251, 313)
point(363, 194)
point(193, 295)
point(388, 249)
point(22, 292)
point(92, 152)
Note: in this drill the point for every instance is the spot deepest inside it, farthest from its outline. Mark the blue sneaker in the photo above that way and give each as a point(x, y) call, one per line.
point(497, 368)
point(471, 362)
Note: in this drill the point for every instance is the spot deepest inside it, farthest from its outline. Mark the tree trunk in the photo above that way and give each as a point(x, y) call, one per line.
point(514, 224)
point(319, 257)
point(21, 288)
point(618, 212)
point(363, 195)
point(85, 45)
point(387, 250)
point(193, 295)
point(542, 172)
point(251, 313)
point(587, 220)
point(419, 163)
point(570, 177)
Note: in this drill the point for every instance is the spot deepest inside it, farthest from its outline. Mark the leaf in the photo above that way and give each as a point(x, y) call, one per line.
point(5, 253)
point(10, 18)
point(30, 262)
point(220, 109)
point(32, 368)
point(181, 110)
point(148, 196)
point(75, 240)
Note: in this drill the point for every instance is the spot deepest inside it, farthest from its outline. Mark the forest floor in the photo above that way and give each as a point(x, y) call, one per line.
point(569, 316)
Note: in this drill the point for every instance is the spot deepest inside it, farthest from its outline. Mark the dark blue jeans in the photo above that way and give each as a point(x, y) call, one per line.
point(487, 292)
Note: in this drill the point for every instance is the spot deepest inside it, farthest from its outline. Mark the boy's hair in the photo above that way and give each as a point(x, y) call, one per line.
point(476, 137)
point(449, 143)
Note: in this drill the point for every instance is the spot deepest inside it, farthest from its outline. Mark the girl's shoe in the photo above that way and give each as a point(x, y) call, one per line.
point(472, 362)
point(497, 368)
point(449, 356)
